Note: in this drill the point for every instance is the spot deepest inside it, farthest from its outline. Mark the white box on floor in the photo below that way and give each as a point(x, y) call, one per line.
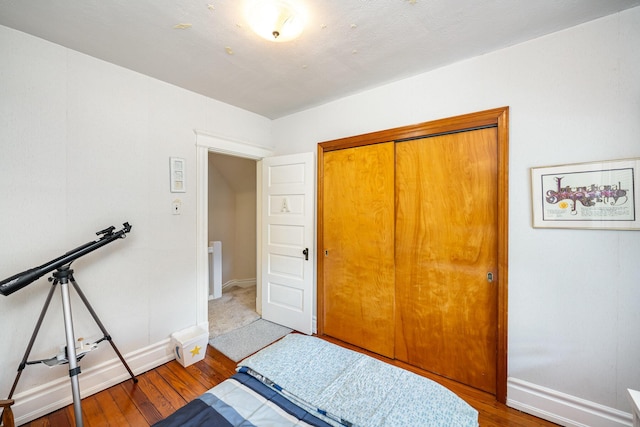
point(190, 345)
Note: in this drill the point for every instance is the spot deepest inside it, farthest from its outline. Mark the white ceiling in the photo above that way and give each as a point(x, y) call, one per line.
point(348, 46)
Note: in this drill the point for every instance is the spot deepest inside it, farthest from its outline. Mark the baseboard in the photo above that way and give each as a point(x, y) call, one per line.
point(562, 408)
point(243, 283)
point(46, 398)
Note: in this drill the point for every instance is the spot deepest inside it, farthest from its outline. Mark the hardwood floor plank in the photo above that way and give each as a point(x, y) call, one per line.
point(92, 413)
point(43, 422)
point(204, 373)
point(110, 410)
point(126, 405)
point(161, 391)
point(57, 418)
point(182, 382)
point(153, 406)
point(222, 366)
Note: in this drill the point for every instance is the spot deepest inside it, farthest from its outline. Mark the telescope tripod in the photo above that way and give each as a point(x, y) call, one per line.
point(63, 276)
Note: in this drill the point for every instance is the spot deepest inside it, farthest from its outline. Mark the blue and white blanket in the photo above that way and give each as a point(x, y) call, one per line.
point(306, 381)
point(349, 388)
point(241, 401)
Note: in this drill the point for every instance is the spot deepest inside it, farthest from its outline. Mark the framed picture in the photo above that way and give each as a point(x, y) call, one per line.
point(177, 175)
point(597, 195)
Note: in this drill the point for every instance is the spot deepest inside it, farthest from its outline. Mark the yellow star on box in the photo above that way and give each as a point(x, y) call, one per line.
point(196, 350)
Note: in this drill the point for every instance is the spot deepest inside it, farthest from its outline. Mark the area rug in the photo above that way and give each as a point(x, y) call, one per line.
point(236, 308)
point(245, 341)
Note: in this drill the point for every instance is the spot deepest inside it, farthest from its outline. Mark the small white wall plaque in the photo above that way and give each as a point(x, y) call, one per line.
point(177, 175)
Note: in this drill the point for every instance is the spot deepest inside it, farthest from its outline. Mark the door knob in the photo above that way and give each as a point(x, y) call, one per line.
point(305, 252)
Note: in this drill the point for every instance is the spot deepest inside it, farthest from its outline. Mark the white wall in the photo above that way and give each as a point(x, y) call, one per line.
point(245, 250)
point(232, 217)
point(222, 219)
point(574, 96)
point(83, 145)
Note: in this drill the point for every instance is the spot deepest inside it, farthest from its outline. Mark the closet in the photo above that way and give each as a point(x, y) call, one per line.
point(359, 254)
point(412, 245)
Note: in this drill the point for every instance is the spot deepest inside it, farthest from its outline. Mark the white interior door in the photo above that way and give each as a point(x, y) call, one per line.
point(287, 246)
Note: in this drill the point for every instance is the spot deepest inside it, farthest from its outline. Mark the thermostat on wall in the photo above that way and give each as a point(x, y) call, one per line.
point(178, 175)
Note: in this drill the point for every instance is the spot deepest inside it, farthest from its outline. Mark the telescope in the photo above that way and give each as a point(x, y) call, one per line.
point(62, 277)
point(20, 280)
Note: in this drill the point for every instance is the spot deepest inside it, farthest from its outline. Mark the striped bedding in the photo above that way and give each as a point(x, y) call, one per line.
point(241, 401)
point(306, 381)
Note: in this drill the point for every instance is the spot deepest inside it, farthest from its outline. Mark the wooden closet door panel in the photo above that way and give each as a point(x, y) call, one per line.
point(446, 243)
point(358, 233)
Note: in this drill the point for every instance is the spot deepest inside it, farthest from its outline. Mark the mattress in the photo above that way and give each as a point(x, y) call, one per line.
point(306, 381)
point(354, 389)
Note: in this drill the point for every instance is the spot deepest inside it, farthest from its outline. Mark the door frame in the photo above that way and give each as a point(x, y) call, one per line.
point(499, 118)
point(209, 142)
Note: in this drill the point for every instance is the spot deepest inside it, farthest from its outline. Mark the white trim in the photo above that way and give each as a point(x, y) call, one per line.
point(46, 398)
point(243, 283)
point(562, 408)
point(259, 237)
point(202, 245)
point(234, 147)
point(205, 142)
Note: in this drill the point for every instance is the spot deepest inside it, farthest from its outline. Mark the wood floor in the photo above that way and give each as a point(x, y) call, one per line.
point(161, 391)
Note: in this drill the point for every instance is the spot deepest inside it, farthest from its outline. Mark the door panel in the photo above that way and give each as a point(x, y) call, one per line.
point(287, 224)
point(358, 230)
point(446, 244)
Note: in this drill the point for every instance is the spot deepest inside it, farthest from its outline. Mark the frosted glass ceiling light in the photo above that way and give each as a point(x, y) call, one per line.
point(276, 20)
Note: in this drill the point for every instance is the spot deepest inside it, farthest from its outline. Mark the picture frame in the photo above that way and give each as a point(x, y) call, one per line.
point(595, 195)
point(177, 175)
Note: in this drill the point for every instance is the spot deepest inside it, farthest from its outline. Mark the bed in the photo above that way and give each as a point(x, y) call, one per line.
point(305, 381)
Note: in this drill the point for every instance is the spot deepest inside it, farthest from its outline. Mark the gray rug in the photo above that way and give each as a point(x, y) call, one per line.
point(245, 341)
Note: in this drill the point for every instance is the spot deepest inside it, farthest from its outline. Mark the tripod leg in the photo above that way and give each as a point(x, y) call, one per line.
point(33, 338)
point(74, 368)
point(101, 326)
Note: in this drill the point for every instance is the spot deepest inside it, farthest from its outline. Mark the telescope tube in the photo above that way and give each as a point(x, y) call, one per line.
point(20, 280)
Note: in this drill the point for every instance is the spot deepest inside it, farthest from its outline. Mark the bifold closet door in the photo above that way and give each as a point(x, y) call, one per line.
point(446, 255)
point(358, 234)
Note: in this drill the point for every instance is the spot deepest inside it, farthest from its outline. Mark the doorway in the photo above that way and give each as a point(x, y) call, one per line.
point(232, 226)
point(284, 296)
point(207, 142)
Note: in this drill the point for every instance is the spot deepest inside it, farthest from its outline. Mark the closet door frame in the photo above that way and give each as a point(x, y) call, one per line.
point(498, 118)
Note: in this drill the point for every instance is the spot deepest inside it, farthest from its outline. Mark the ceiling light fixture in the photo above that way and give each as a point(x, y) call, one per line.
point(276, 20)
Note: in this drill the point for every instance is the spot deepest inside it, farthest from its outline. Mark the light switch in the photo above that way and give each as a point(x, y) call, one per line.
point(176, 207)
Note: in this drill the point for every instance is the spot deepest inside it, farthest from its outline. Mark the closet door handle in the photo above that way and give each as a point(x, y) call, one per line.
point(305, 252)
